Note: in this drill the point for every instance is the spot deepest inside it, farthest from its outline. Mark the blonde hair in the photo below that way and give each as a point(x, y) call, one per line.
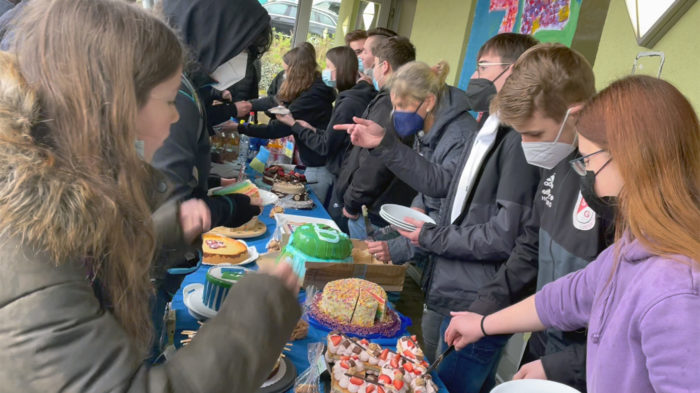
point(416, 80)
point(547, 77)
point(92, 64)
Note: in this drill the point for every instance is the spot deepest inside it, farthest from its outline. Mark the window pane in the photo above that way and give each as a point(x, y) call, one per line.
point(327, 20)
point(279, 9)
point(283, 15)
point(323, 23)
point(368, 15)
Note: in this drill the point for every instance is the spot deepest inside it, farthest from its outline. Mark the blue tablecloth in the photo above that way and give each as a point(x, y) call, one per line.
point(298, 353)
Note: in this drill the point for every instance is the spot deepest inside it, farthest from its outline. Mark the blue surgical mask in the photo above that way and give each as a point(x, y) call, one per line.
point(376, 84)
point(327, 76)
point(548, 154)
point(407, 123)
point(360, 65)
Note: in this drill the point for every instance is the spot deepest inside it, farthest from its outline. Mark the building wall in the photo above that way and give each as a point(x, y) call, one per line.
point(681, 45)
point(407, 11)
point(440, 31)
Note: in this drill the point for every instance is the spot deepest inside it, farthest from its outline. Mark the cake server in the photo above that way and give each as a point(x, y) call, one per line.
point(368, 224)
point(438, 360)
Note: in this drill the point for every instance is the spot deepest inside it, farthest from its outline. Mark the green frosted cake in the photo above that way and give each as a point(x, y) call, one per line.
point(316, 243)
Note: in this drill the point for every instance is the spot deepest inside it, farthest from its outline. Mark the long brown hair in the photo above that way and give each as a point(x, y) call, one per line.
point(345, 61)
point(93, 64)
point(652, 133)
point(302, 72)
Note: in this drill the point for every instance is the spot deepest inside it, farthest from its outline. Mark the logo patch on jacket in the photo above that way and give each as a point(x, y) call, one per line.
point(547, 195)
point(584, 216)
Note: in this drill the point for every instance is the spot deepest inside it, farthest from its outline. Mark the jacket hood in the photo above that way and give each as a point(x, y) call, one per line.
point(42, 204)
point(453, 103)
point(361, 92)
point(320, 91)
point(216, 30)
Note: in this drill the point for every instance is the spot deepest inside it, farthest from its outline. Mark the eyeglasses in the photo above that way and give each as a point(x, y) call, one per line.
point(579, 164)
point(481, 66)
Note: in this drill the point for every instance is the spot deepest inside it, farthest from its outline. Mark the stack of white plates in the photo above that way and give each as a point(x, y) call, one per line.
point(395, 214)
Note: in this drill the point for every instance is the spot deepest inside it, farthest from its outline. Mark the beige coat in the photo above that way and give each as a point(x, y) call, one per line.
point(54, 335)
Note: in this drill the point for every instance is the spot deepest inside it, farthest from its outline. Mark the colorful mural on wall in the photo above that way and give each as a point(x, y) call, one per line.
point(547, 20)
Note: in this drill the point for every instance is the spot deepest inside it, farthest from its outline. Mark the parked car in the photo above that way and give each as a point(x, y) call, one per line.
point(284, 14)
point(332, 6)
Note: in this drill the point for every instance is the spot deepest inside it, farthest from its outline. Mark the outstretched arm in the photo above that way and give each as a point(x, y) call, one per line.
point(413, 169)
point(465, 327)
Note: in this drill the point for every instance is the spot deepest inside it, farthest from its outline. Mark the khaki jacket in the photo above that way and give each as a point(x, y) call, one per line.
point(54, 334)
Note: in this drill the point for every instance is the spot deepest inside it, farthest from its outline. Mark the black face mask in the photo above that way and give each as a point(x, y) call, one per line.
point(480, 92)
point(605, 207)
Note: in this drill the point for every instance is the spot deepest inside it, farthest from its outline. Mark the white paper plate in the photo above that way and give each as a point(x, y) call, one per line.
point(279, 110)
point(399, 212)
point(268, 198)
point(192, 297)
point(277, 376)
point(252, 256)
point(394, 222)
point(533, 386)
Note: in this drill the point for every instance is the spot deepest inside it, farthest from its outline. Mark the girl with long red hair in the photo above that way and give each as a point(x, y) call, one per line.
point(640, 145)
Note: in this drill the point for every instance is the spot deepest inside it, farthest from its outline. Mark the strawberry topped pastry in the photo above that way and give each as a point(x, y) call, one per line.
point(284, 182)
point(360, 366)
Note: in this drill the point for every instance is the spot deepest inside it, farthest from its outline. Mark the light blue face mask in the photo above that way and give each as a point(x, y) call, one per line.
point(376, 84)
point(140, 147)
point(360, 65)
point(327, 76)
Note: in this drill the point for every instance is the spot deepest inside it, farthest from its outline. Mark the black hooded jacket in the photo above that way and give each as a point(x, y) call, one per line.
point(314, 106)
point(562, 235)
point(215, 31)
point(270, 100)
point(331, 144)
point(364, 179)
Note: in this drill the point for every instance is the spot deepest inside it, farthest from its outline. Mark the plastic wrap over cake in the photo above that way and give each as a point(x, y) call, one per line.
point(355, 306)
point(316, 243)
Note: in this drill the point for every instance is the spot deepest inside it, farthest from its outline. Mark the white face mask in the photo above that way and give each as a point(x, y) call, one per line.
point(548, 154)
point(230, 72)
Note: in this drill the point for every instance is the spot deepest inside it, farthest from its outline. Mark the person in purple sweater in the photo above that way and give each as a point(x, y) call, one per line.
point(640, 145)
